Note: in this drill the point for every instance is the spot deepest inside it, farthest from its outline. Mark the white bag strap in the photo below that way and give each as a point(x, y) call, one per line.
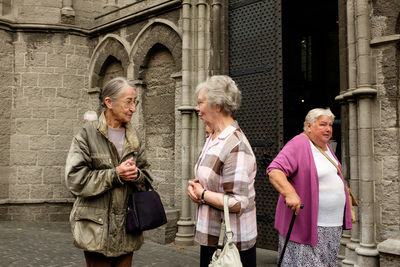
point(225, 225)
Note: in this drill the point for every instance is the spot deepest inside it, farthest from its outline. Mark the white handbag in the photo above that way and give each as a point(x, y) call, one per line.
point(229, 256)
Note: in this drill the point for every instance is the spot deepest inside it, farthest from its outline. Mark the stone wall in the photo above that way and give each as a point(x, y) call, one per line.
point(50, 78)
point(386, 119)
point(50, 11)
point(48, 100)
point(385, 54)
point(6, 89)
point(386, 146)
point(55, 57)
point(32, 11)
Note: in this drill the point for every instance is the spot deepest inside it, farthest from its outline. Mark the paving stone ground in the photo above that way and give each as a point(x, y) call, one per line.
point(50, 244)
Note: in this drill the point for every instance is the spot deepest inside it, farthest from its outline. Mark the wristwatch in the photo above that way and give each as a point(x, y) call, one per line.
point(202, 196)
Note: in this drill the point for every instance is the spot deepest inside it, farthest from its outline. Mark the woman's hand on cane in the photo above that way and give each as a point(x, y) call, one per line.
point(293, 202)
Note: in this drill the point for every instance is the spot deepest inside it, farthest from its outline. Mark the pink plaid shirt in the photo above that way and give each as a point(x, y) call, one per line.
point(228, 165)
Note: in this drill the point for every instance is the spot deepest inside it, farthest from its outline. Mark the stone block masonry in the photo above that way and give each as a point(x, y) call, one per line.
point(44, 113)
point(51, 70)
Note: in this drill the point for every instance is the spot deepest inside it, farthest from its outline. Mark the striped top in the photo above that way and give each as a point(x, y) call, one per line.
point(227, 165)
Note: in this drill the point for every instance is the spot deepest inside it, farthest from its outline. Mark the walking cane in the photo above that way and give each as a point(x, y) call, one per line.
point(288, 236)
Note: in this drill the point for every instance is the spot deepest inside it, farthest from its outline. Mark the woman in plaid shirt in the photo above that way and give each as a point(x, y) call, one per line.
point(226, 165)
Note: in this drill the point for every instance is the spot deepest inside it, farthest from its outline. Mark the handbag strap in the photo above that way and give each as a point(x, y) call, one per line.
point(225, 225)
point(329, 158)
point(326, 155)
point(350, 194)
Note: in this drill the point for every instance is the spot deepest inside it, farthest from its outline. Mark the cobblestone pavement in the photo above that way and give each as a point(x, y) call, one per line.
point(50, 244)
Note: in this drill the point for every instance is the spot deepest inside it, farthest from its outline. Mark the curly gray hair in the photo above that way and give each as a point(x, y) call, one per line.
point(315, 113)
point(221, 90)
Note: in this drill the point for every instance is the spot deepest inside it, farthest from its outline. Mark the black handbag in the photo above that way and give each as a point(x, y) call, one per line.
point(145, 210)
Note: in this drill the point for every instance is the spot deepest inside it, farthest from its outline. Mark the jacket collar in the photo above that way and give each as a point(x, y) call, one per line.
point(132, 141)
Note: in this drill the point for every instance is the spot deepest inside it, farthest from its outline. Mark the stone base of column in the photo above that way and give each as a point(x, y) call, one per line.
point(166, 233)
point(367, 256)
point(351, 255)
point(185, 234)
point(342, 249)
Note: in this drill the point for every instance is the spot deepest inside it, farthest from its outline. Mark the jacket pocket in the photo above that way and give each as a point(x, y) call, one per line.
point(89, 227)
point(101, 161)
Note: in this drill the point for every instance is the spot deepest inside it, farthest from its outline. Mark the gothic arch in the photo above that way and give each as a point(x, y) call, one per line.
point(111, 46)
point(156, 32)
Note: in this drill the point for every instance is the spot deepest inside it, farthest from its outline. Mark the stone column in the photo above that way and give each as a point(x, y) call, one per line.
point(216, 7)
point(367, 252)
point(345, 165)
point(350, 255)
point(185, 234)
point(202, 60)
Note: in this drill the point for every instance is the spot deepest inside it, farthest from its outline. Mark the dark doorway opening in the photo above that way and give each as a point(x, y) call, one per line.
point(310, 61)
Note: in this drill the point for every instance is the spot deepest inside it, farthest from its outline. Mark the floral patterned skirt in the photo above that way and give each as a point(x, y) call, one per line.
point(324, 254)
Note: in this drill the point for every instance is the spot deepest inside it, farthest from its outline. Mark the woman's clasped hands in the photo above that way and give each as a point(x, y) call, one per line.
point(127, 170)
point(194, 191)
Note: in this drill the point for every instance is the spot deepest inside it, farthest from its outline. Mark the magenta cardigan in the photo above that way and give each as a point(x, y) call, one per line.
point(297, 162)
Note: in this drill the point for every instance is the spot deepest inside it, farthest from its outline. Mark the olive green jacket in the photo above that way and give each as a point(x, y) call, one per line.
point(98, 215)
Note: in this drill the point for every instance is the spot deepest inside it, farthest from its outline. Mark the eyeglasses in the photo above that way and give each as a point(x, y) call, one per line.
point(129, 103)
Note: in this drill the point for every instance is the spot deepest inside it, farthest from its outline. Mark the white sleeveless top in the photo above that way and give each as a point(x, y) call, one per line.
point(332, 197)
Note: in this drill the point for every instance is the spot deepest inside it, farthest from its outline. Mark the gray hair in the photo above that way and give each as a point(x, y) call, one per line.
point(113, 89)
point(315, 113)
point(221, 90)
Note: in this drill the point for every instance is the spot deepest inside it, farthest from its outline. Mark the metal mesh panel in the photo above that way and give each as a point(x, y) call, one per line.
point(255, 63)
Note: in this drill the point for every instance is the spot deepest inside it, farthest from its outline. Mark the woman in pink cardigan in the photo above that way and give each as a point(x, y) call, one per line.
point(302, 174)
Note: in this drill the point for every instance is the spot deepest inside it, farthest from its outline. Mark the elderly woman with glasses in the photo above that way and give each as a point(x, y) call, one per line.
point(306, 171)
point(104, 164)
point(226, 166)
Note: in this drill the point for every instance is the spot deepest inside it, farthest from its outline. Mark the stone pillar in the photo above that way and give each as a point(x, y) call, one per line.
point(367, 252)
point(67, 12)
point(344, 87)
point(185, 234)
point(216, 19)
point(202, 60)
point(351, 256)
point(345, 167)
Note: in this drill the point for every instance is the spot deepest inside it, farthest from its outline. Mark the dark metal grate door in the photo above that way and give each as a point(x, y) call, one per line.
point(255, 63)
